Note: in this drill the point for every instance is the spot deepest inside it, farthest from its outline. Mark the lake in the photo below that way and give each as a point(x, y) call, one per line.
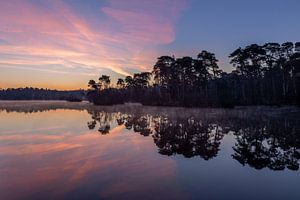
point(60, 150)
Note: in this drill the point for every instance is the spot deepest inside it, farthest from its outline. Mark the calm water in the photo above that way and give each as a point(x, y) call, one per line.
point(148, 153)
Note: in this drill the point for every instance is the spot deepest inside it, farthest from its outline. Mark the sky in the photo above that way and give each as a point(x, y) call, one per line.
point(61, 44)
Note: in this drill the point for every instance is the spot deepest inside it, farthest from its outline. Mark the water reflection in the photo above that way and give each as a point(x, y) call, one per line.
point(128, 152)
point(274, 144)
point(260, 142)
point(51, 155)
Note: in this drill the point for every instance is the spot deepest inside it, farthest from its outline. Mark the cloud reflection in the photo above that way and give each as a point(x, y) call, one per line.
point(58, 164)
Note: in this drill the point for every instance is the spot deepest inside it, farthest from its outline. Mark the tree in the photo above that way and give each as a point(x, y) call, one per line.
point(104, 81)
point(272, 54)
point(210, 62)
point(92, 84)
point(129, 81)
point(141, 80)
point(239, 60)
point(161, 70)
point(295, 62)
point(255, 54)
point(121, 83)
point(185, 76)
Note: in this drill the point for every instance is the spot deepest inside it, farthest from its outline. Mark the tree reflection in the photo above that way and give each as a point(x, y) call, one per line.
point(261, 142)
point(274, 145)
point(139, 125)
point(104, 120)
point(187, 137)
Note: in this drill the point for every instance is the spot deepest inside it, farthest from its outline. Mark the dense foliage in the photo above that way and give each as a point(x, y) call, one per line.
point(266, 74)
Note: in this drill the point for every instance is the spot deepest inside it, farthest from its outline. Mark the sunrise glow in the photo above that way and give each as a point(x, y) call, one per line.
point(61, 44)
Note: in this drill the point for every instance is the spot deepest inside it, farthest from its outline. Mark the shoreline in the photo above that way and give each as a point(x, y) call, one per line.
point(46, 105)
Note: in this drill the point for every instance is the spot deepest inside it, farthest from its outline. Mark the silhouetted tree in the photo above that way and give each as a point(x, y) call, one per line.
point(30, 93)
point(263, 75)
point(104, 82)
point(209, 62)
point(121, 83)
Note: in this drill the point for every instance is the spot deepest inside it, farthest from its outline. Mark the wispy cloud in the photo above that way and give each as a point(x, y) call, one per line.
point(54, 33)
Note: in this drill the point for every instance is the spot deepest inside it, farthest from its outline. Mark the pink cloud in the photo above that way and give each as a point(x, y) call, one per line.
point(143, 27)
point(60, 35)
point(146, 22)
point(22, 16)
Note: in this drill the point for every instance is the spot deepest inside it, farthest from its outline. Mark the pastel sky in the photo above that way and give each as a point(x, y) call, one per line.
point(63, 43)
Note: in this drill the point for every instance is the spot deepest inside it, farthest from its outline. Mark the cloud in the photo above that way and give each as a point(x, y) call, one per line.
point(56, 33)
point(3, 42)
point(142, 27)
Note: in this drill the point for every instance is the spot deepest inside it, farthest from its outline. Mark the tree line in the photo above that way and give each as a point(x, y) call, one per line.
point(30, 93)
point(266, 74)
